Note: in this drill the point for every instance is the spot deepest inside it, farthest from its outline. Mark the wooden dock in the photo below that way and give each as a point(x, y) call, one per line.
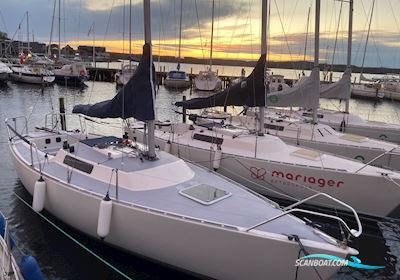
point(108, 75)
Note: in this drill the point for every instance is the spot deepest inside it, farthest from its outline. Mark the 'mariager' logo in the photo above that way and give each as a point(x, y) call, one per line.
point(321, 182)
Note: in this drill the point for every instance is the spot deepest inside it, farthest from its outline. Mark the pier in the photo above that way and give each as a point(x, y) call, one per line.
point(108, 75)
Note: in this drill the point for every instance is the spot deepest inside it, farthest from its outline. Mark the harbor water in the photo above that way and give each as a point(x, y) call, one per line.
point(62, 258)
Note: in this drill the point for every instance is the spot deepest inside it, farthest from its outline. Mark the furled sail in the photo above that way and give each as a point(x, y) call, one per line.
point(250, 92)
point(339, 90)
point(305, 93)
point(135, 99)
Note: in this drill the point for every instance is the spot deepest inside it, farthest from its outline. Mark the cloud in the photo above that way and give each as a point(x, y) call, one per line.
point(236, 27)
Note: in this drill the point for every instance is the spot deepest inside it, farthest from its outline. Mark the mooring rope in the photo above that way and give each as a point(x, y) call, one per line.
point(302, 249)
point(75, 240)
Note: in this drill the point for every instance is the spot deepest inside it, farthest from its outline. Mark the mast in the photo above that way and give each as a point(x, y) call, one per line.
point(349, 43)
point(366, 41)
point(27, 26)
point(316, 48)
point(59, 29)
point(212, 32)
point(123, 27)
point(263, 51)
point(305, 44)
point(180, 38)
point(94, 46)
point(147, 40)
point(130, 33)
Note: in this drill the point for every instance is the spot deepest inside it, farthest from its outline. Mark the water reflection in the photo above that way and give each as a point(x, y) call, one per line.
point(60, 258)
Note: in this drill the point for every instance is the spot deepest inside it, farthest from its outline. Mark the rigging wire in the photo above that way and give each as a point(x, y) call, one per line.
point(366, 41)
point(108, 22)
point(285, 35)
point(337, 33)
point(198, 24)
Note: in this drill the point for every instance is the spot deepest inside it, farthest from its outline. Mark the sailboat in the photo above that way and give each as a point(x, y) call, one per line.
point(297, 130)
point(208, 80)
point(367, 88)
point(71, 73)
point(177, 79)
point(346, 122)
point(264, 162)
point(156, 205)
point(30, 73)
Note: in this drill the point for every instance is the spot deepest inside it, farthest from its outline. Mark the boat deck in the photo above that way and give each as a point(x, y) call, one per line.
point(241, 210)
point(238, 142)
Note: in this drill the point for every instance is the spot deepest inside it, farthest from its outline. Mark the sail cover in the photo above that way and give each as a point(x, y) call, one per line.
point(339, 90)
point(305, 93)
point(135, 99)
point(250, 92)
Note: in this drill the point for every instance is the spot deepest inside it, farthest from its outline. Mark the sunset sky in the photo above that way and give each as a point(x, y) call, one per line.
point(237, 27)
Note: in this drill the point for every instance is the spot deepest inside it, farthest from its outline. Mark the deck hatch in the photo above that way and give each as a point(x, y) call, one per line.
point(207, 138)
point(78, 164)
point(205, 194)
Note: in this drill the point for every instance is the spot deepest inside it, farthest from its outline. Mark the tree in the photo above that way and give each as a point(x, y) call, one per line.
point(3, 35)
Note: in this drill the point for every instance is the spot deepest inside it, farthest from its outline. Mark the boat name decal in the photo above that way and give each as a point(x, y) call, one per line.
point(321, 182)
point(258, 173)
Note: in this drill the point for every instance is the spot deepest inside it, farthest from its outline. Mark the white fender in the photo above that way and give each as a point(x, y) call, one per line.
point(217, 158)
point(104, 220)
point(167, 147)
point(39, 194)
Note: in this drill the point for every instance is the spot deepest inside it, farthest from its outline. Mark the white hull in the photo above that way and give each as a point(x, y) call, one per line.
point(31, 79)
point(366, 92)
point(369, 194)
point(323, 138)
point(208, 85)
point(391, 95)
point(176, 83)
point(202, 248)
point(365, 155)
point(350, 123)
point(385, 93)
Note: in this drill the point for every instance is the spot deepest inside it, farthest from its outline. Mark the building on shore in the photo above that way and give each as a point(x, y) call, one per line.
point(13, 48)
point(86, 52)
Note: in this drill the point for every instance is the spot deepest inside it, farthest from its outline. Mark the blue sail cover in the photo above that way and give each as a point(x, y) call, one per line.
point(250, 92)
point(134, 100)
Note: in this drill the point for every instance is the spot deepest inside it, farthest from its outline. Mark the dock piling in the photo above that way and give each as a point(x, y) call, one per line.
point(62, 114)
point(184, 110)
